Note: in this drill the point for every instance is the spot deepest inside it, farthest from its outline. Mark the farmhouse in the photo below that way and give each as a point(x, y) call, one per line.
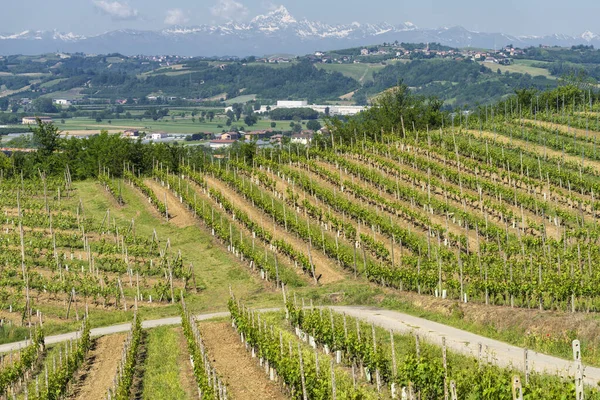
point(220, 143)
point(158, 136)
point(33, 120)
point(302, 138)
point(131, 132)
point(276, 138)
point(61, 102)
point(230, 136)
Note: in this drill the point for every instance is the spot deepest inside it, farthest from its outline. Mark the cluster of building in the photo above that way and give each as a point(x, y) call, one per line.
point(260, 138)
point(396, 52)
point(331, 110)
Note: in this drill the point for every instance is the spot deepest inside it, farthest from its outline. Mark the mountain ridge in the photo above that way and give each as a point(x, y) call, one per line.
point(276, 31)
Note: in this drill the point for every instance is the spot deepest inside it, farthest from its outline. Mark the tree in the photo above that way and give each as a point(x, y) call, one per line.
point(3, 104)
point(313, 125)
point(211, 115)
point(273, 124)
point(228, 122)
point(46, 138)
point(250, 119)
point(230, 114)
point(44, 105)
point(237, 110)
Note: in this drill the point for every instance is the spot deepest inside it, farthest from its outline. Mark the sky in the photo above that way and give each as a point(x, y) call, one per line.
point(89, 17)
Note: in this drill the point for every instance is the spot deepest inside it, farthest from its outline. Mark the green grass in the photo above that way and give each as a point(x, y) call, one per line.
point(241, 99)
point(522, 67)
point(70, 94)
point(52, 82)
point(162, 369)
point(360, 72)
point(179, 125)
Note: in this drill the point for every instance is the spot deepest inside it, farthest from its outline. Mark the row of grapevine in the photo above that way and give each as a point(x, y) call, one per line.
point(403, 361)
point(25, 361)
point(223, 228)
point(303, 373)
point(55, 382)
point(210, 385)
point(124, 378)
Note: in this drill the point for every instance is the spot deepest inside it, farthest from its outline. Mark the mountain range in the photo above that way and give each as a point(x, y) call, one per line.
point(275, 32)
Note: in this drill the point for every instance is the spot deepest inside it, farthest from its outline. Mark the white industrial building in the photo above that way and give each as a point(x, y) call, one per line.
point(291, 104)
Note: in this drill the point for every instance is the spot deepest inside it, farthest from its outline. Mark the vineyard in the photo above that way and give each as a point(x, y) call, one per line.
point(493, 213)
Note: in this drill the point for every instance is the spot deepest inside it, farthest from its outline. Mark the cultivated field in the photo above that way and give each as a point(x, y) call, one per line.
point(478, 225)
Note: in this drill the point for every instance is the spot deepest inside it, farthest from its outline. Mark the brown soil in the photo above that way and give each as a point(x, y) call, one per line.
point(186, 373)
point(323, 265)
point(179, 215)
point(564, 128)
point(282, 186)
point(433, 218)
point(541, 150)
point(284, 261)
point(494, 215)
point(242, 374)
point(96, 376)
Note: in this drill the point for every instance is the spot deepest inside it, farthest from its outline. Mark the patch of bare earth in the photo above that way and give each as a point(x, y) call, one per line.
point(186, 373)
point(324, 266)
point(564, 128)
point(241, 373)
point(96, 376)
point(179, 215)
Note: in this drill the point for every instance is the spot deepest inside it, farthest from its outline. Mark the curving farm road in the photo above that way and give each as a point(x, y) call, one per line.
point(456, 339)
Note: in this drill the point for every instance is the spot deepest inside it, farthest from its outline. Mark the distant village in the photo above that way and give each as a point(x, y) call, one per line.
point(262, 138)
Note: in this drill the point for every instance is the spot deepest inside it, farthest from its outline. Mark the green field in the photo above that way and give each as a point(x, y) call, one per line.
point(241, 99)
point(522, 67)
point(178, 125)
point(360, 72)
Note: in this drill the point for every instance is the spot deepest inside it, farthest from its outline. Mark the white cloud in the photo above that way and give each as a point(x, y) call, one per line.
point(176, 16)
point(229, 10)
point(116, 10)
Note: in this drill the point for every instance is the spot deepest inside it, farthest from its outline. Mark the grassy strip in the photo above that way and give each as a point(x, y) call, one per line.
point(161, 379)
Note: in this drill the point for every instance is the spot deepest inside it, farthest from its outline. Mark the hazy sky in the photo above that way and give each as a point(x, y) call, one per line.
point(524, 17)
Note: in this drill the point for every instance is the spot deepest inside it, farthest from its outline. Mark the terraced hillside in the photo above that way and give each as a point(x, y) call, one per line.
point(489, 224)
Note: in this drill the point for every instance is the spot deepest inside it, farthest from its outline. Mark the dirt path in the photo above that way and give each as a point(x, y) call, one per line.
point(494, 215)
point(96, 375)
point(242, 374)
point(179, 215)
point(323, 265)
point(186, 373)
point(282, 186)
point(399, 220)
point(538, 149)
point(564, 128)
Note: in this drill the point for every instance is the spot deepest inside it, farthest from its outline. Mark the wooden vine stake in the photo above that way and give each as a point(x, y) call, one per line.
point(303, 381)
point(333, 390)
point(445, 368)
point(526, 365)
point(578, 370)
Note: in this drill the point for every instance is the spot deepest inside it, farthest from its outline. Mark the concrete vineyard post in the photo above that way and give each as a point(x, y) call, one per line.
point(578, 370)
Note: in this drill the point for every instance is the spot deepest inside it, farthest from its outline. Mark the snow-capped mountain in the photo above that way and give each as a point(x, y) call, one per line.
point(275, 32)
